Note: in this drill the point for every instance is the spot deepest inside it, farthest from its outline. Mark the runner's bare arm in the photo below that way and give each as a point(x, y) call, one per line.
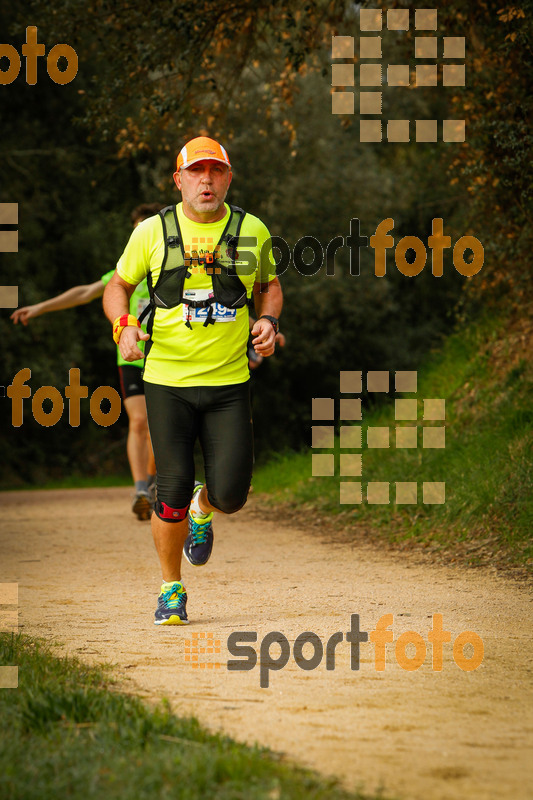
point(268, 299)
point(117, 303)
point(76, 296)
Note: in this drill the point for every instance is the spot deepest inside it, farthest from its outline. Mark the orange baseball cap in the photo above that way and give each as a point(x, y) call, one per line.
point(200, 149)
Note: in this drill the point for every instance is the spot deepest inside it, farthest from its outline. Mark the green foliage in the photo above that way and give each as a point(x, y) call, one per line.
point(78, 157)
point(68, 733)
point(487, 463)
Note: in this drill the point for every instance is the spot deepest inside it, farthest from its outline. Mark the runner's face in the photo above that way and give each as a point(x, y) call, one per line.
point(203, 188)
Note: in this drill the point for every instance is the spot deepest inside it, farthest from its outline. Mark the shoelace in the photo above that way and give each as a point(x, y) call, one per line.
point(172, 598)
point(200, 531)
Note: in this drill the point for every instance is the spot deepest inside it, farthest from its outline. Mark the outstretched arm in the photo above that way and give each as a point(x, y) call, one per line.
point(77, 296)
point(117, 304)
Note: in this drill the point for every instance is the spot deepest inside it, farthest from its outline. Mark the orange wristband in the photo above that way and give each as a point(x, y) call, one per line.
point(123, 322)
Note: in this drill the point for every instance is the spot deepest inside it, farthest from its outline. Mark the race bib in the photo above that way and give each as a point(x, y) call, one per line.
point(220, 313)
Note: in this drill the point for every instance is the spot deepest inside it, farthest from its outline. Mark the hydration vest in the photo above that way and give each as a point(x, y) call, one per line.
point(168, 292)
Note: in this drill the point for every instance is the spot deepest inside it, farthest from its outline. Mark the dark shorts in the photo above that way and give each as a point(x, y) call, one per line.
point(131, 381)
point(220, 417)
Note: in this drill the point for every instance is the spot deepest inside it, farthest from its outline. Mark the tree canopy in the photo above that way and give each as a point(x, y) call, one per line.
point(78, 157)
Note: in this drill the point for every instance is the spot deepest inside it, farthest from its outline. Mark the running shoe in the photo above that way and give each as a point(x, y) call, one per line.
point(199, 543)
point(172, 605)
point(142, 505)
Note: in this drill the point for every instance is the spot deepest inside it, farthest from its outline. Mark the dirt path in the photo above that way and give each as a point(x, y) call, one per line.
point(88, 578)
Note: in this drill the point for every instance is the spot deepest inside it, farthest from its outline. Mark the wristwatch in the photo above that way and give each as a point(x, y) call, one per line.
point(273, 320)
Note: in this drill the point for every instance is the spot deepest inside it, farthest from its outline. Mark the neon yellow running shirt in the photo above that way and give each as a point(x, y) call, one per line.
point(138, 301)
point(214, 355)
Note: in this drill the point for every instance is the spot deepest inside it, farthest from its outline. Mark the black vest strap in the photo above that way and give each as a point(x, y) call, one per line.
point(177, 266)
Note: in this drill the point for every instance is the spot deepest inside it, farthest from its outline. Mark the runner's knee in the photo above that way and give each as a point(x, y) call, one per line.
point(174, 492)
point(168, 513)
point(138, 424)
point(228, 502)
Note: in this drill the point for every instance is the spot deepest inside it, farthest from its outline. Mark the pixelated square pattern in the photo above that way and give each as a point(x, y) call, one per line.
point(9, 241)
point(9, 608)
point(370, 130)
point(350, 409)
point(453, 75)
point(405, 409)
point(370, 102)
point(454, 47)
point(342, 103)
point(407, 437)
point(342, 47)
point(426, 19)
point(323, 465)
point(406, 492)
point(434, 409)
point(377, 493)
point(351, 381)
point(370, 46)
point(434, 437)
point(351, 464)
point(426, 74)
point(9, 677)
point(322, 436)
point(323, 408)
point(370, 74)
point(453, 130)
point(9, 213)
point(377, 437)
point(9, 296)
point(377, 381)
point(370, 19)
point(350, 492)
point(398, 74)
point(398, 130)
point(433, 493)
point(201, 644)
point(350, 436)
point(398, 19)
point(9, 619)
point(9, 593)
point(406, 381)
point(426, 47)
point(342, 75)
point(426, 130)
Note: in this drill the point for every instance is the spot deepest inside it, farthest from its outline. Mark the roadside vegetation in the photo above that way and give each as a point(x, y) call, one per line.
point(485, 374)
point(68, 732)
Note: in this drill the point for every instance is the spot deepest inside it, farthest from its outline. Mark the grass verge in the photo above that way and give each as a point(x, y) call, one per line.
point(67, 733)
point(485, 375)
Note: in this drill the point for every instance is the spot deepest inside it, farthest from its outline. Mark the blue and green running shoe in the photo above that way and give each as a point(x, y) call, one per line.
point(199, 543)
point(171, 605)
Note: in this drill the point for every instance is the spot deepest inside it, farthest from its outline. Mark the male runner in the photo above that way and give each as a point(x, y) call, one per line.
point(139, 448)
point(196, 371)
